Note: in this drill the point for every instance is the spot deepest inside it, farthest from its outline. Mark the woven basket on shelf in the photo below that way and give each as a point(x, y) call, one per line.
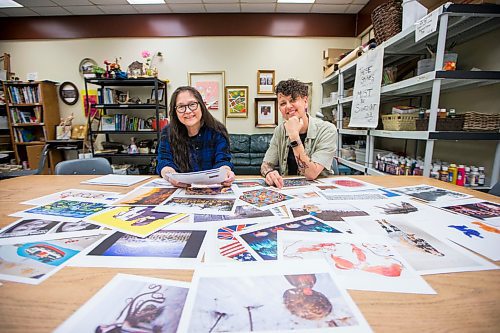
point(443, 124)
point(475, 121)
point(387, 19)
point(400, 122)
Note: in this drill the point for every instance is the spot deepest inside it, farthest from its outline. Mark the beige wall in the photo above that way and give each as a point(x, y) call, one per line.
point(239, 57)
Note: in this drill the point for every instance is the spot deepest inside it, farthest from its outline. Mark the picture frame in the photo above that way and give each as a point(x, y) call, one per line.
point(68, 92)
point(266, 112)
point(211, 87)
point(265, 81)
point(236, 101)
point(161, 93)
point(86, 67)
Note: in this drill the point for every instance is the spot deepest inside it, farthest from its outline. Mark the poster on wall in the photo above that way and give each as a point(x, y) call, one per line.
point(211, 87)
point(92, 100)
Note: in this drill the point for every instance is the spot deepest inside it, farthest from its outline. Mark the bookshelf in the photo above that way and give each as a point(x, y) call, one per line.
point(32, 113)
point(5, 140)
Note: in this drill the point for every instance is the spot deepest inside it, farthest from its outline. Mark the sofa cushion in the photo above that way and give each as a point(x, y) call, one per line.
point(260, 142)
point(240, 158)
point(239, 143)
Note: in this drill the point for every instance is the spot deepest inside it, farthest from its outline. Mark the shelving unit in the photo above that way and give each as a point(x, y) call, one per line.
point(5, 140)
point(33, 114)
point(123, 112)
point(457, 23)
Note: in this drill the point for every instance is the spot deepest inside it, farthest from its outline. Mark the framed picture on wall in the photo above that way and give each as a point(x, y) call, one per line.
point(266, 114)
point(161, 92)
point(237, 101)
point(211, 87)
point(265, 82)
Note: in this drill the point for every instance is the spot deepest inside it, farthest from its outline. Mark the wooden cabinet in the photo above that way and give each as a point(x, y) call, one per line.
point(33, 114)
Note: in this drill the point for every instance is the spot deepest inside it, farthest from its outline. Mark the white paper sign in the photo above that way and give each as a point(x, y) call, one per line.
point(427, 24)
point(366, 100)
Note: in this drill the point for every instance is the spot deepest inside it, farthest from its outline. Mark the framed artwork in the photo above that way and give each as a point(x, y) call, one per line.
point(68, 92)
point(265, 82)
point(236, 101)
point(86, 67)
point(161, 92)
point(266, 114)
point(211, 87)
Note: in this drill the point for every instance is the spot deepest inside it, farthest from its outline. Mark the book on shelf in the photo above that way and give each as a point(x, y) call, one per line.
point(108, 123)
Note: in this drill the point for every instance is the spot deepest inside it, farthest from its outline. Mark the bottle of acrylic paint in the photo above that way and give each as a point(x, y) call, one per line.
point(481, 177)
point(461, 175)
point(474, 177)
point(467, 177)
point(452, 173)
point(443, 174)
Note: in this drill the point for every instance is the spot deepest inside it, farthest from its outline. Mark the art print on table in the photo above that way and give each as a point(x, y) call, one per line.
point(158, 182)
point(140, 221)
point(249, 183)
point(308, 192)
point(133, 304)
point(262, 239)
point(146, 196)
point(325, 211)
point(198, 206)
point(209, 191)
point(265, 198)
point(360, 261)
point(33, 262)
point(63, 210)
point(165, 249)
point(76, 195)
point(283, 298)
point(349, 184)
point(477, 209)
point(297, 182)
point(240, 212)
point(24, 230)
point(424, 251)
point(431, 193)
point(223, 247)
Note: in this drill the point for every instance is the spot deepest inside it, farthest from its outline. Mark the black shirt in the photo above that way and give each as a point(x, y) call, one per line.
point(290, 161)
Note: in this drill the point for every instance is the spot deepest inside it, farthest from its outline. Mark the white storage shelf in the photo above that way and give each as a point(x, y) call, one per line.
point(458, 23)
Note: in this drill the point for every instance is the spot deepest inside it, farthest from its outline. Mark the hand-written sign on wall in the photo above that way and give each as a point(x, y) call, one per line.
point(427, 24)
point(366, 95)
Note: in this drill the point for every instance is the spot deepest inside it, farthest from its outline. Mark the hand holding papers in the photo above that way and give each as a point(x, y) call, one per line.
point(206, 177)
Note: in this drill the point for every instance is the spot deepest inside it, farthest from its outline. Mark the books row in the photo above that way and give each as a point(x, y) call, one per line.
point(29, 134)
point(122, 122)
point(24, 95)
point(33, 115)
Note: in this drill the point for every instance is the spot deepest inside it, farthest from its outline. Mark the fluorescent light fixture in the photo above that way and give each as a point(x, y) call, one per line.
point(145, 2)
point(9, 4)
point(296, 1)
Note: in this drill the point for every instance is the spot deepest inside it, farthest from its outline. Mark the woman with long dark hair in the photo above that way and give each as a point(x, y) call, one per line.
point(194, 140)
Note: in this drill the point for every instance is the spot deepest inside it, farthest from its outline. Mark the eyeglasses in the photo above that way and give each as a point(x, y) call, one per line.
point(183, 108)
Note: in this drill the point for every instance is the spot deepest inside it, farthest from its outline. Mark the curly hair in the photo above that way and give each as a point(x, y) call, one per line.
point(292, 87)
point(178, 134)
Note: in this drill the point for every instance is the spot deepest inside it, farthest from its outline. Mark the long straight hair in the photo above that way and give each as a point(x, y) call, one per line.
point(178, 134)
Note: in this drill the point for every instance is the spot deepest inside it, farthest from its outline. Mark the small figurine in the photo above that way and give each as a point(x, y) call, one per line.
point(132, 149)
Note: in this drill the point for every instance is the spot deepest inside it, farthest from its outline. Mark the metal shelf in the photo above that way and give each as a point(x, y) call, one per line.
point(375, 172)
point(127, 82)
point(329, 105)
point(415, 135)
point(352, 131)
point(346, 100)
point(352, 165)
point(129, 106)
point(125, 132)
point(462, 135)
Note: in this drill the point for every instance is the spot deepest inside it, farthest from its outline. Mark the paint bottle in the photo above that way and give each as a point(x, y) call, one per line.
point(443, 174)
point(467, 177)
point(461, 175)
point(474, 177)
point(435, 172)
point(452, 173)
point(481, 177)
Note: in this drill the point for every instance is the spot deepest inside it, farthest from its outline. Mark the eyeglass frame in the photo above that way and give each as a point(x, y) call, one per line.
point(186, 107)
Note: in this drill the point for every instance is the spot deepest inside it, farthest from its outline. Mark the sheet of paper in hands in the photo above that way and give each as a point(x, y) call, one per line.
point(206, 177)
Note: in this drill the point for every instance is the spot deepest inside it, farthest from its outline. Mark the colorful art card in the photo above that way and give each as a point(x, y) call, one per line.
point(422, 250)
point(25, 230)
point(164, 249)
point(63, 210)
point(261, 239)
point(198, 206)
point(207, 191)
point(402, 205)
point(308, 192)
point(116, 180)
point(130, 303)
point(75, 195)
point(431, 193)
point(240, 212)
point(269, 297)
point(349, 184)
point(336, 195)
point(139, 221)
point(324, 210)
point(146, 196)
point(157, 182)
point(33, 262)
point(297, 182)
point(360, 262)
point(265, 198)
point(487, 211)
point(248, 183)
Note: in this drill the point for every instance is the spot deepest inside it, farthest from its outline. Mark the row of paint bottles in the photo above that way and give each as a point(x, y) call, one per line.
point(461, 175)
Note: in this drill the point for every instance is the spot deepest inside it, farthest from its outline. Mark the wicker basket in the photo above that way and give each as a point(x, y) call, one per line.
point(443, 124)
point(400, 122)
point(345, 124)
point(387, 19)
point(475, 121)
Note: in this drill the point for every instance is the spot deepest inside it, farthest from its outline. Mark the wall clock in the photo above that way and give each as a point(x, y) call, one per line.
point(68, 93)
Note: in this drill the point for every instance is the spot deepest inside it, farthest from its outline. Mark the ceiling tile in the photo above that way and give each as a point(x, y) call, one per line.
point(293, 8)
point(19, 12)
point(338, 9)
point(110, 2)
point(187, 8)
point(50, 11)
point(84, 10)
point(39, 3)
point(257, 1)
point(118, 9)
point(335, 2)
point(223, 8)
point(183, 1)
point(152, 9)
point(221, 1)
point(258, 7)
point(359, 2)
point(73, 2)
point(354, 9)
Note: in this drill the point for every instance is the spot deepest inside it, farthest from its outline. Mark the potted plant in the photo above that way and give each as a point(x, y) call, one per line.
point(98, 71)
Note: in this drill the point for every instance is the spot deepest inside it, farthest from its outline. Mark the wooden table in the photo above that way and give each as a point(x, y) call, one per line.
point(466, 302)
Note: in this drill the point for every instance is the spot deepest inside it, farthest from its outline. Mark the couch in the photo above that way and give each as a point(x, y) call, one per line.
point(248, 151)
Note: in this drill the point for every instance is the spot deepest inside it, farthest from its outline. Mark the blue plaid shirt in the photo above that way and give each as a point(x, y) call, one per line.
point(207, 150)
